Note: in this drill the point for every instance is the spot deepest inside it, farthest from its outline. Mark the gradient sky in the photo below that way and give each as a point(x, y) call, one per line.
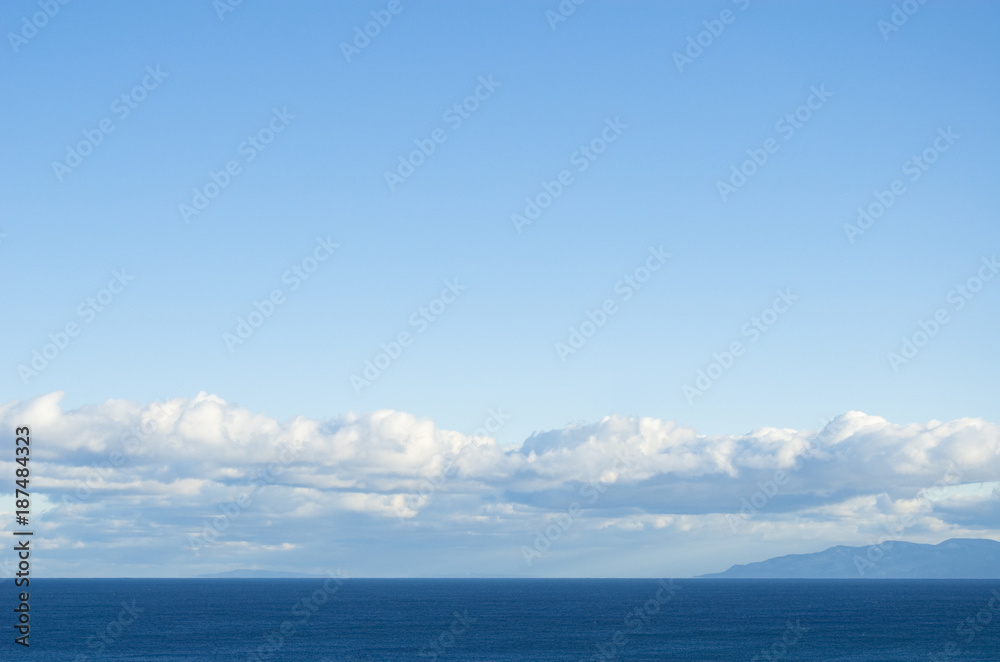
point(887, 96)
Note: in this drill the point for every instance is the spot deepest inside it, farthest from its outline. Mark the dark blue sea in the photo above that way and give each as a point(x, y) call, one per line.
point(305, 620)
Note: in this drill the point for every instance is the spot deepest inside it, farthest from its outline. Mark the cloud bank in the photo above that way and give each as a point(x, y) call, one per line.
point(198, 484)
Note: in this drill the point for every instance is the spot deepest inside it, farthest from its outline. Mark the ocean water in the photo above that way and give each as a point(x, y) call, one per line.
point(304, 620)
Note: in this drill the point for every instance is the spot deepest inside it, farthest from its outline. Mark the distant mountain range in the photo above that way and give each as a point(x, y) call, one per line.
point(259, 574)
point(957, 558)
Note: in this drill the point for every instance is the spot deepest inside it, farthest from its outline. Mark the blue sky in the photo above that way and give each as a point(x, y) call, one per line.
point(886, 96)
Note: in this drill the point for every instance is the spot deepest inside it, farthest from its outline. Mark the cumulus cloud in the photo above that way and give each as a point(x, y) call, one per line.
point(167, 476)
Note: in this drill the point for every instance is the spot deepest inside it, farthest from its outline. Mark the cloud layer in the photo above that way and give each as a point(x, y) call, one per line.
point(198, 484)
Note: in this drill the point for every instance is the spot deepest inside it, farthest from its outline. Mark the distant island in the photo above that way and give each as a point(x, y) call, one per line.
point(957, 558)
point(259, 574)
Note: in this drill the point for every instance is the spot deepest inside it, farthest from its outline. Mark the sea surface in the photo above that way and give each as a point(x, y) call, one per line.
point(500, 620)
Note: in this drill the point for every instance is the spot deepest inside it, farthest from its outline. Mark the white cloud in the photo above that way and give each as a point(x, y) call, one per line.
point(166, 468)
